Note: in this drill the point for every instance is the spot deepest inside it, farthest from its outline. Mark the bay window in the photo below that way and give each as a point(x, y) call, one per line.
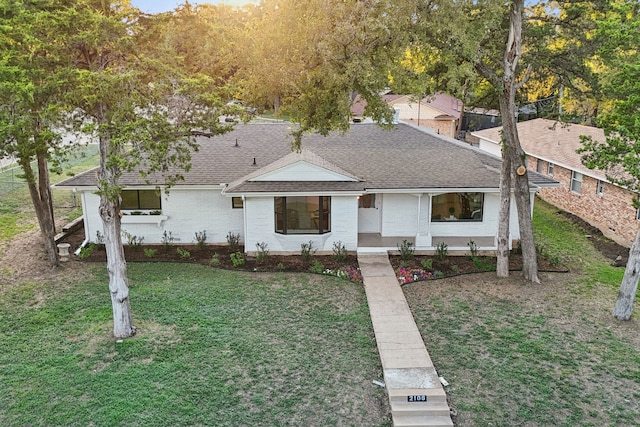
point(303, 214)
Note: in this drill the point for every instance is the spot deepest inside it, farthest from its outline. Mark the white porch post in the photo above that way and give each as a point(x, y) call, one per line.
point(244, 220)
point(424, 240)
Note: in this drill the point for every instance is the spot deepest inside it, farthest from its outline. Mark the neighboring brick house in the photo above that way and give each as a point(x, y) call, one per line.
point(440, 112)
point(551, 150)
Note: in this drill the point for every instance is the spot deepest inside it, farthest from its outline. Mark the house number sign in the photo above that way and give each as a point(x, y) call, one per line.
point(417, 398)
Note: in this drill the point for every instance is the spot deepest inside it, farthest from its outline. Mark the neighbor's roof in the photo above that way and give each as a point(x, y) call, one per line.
point(403, 158)
point(552, 141)
point(450, 106)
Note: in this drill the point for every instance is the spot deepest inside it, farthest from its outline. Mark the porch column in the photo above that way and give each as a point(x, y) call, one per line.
point(422, 239)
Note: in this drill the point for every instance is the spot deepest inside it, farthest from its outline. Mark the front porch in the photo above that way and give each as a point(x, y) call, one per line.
point(374, 242)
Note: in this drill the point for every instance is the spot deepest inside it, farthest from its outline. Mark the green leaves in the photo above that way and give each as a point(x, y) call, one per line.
point(619, 154)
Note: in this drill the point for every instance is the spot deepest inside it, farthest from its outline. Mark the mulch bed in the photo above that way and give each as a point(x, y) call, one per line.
point(457, 265)
point(195, 254)
point(447, 267)
point(618, 254)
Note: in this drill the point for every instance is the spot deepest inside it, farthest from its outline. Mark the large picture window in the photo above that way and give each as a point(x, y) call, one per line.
point(457, 207)
point(140, 199)
point(303, 214)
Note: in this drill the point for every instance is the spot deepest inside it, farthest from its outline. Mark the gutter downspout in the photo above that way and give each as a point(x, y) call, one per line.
point(86, 230)
point(244, 220)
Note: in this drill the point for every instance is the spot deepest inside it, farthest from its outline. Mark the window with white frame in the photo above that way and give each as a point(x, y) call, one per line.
point(550, 169)
point(576, 181)
point(600, 187)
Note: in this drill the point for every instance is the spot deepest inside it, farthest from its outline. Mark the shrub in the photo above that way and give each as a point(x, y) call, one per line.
point(86, 251)
point(201, 238)
point(237, 259)
point(184, 254)
point(262, 252)
point(427, 263)
point(455, 268)
point(473, 248)
point(317, 267)
point(150, 252)
point(167, 240)
point(555, 260)
point(233, 240)
point(442, 249)
point(406, 250)
point(482, 264)
point(99, 240)
point(339, 251)
point(307, 251)
point(438, 274)
point(133, 240)
point(280, 266)
point(215, 260)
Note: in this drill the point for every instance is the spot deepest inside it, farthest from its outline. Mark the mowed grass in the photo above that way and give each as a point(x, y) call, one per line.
point(518, 354)
point(213, 348)
point(17, 213)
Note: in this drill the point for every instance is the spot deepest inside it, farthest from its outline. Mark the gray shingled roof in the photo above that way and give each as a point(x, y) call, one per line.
point(403, 158)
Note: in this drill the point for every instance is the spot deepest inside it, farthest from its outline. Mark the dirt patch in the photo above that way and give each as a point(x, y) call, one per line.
point(24, 259)
point(618, 254)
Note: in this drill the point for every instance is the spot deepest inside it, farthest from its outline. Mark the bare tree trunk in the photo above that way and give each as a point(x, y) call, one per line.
point(502, 254)
point(515, 155)
point(116, 263)
point(512, 147)
point(523, 204)
point(624, 306)
point(43, 205)
point(117, 269)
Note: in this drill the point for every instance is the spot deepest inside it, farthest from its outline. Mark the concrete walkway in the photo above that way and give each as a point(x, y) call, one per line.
point(416, 395)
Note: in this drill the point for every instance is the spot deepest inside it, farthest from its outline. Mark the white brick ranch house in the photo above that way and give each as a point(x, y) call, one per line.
point(368, 189)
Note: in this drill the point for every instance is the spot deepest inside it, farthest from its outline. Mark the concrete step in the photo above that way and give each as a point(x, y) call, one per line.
point(433, 394)
point(421, 421)
point(432, 409)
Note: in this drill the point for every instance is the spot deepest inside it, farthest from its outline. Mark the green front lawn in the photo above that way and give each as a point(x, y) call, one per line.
point(17, 213)
point(519, 354)
point(213, 348)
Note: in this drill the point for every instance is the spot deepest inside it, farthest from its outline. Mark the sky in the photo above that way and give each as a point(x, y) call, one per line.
point(156, 6)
